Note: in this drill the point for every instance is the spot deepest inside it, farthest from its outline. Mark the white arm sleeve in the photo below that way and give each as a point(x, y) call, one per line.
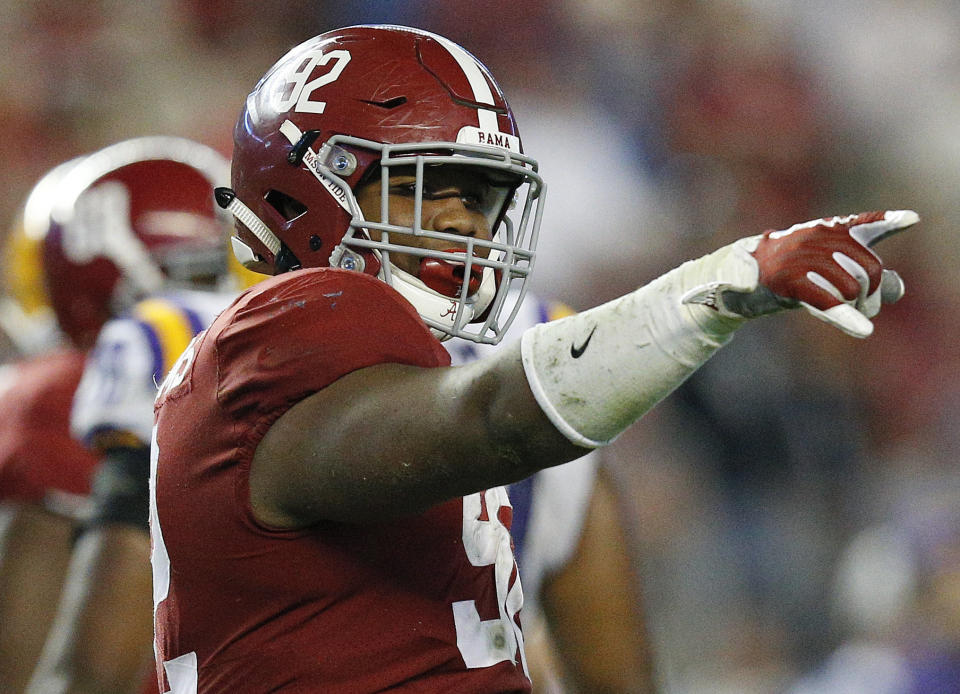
point(597, 372)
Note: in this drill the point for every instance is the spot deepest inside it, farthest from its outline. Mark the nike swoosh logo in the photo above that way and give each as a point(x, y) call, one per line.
point(575, 351)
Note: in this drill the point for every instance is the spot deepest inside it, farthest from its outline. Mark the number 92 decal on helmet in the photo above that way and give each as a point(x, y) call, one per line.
point(412, 119)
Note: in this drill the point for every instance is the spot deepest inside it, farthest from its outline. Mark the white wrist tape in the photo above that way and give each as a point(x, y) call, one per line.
point(597, 372)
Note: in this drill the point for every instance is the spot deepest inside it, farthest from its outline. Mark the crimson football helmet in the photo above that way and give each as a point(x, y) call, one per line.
point(127, 221)
point(352, 106)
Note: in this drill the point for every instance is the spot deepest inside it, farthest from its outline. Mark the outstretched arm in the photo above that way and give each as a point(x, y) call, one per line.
point(390, 440)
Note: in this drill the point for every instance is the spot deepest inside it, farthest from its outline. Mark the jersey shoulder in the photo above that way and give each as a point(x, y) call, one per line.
point(294, 334)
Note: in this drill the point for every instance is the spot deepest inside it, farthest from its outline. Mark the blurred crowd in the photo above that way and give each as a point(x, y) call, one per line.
point(793, 508)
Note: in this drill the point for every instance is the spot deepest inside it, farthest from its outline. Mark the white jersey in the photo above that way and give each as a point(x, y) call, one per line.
point(548, 508)
point(131, 357)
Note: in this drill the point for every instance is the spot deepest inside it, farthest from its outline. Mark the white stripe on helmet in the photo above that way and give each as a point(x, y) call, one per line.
point(478, 83)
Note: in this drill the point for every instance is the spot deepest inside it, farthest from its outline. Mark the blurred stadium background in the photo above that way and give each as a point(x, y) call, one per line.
point(794, 507)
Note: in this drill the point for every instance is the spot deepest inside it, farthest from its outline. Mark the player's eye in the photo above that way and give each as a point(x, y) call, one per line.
point(406, 189)
point(471, 201)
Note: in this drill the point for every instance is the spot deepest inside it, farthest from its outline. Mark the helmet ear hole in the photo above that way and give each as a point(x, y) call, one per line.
point(287, 207)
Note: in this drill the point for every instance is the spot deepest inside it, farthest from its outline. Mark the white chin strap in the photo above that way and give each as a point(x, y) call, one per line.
point(441, 311)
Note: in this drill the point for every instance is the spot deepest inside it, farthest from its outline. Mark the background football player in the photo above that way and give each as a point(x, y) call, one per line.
point(137, 240)
point(327, 510)
point(44, 473)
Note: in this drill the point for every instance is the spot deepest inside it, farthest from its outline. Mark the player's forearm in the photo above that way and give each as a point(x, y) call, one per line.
point(596, 373)
point(599, 371)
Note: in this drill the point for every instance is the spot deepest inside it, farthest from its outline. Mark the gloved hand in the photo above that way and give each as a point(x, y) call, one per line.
point(825, 266)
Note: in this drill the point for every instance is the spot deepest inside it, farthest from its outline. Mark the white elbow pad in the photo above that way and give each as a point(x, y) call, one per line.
point(597, 372)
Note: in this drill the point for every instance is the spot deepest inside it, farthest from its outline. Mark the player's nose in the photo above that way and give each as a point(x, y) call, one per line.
point(454, 217)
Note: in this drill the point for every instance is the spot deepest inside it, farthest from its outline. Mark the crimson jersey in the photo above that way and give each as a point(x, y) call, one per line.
point(39, 461)
point(428, 603)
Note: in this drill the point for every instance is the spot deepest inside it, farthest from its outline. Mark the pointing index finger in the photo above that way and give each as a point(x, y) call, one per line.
point(893, 222)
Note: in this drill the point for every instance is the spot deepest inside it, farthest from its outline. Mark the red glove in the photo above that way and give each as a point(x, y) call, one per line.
point(827, 267)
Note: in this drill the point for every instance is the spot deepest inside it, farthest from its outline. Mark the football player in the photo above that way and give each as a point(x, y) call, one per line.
point(138, 240)
point(328, 511)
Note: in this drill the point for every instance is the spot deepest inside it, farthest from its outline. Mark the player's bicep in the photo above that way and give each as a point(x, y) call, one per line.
point(389, 440)
point(328, 455)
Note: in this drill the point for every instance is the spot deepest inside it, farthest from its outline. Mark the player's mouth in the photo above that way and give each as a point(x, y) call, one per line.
point(446, 276)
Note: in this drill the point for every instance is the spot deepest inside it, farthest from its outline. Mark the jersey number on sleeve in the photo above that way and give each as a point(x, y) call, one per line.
point(182, 673)
point(486, 540)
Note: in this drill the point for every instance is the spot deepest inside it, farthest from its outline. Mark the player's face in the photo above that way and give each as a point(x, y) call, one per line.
point(455, 201)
